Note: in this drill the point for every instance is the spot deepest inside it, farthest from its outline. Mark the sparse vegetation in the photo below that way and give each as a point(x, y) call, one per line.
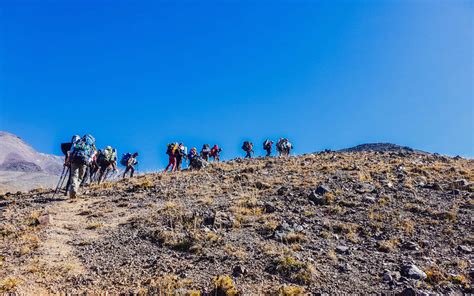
point(179, 234)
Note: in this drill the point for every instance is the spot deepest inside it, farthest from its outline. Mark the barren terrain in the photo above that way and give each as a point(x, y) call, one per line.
point(352, 222)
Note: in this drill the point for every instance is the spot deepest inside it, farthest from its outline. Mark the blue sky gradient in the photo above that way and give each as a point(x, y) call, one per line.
point(325, 74)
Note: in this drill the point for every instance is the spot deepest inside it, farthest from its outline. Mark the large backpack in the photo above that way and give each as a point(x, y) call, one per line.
point(246, 146)
point(266, 144)
point(82, 150)
point(66, 147)
point(125, 158)
point(109, 154)
point(170, 149)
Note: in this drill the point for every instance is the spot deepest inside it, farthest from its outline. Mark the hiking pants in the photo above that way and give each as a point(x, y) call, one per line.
point(103, 171)
point(130, 169)
point(179, 161)
point(171, 163)
point(77, 173)
point(269, 151)
point(249, 154)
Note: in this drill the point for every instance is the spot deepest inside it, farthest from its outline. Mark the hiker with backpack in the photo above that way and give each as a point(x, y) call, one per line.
point(106, 160)
point(78, 158)
point(180, 154)
point(195, 161)
point(129, 161)
point(284, 147)
point(66, 174)
point(215, 153)
point(205, 151)
point(171, 151)
point(267, 146)
point(248, 148)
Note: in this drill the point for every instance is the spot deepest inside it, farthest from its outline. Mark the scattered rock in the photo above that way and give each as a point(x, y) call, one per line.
point(365, 188)
point(261, 185)
point(407, 292)
point(369, 199)
point(465, 249)
point(387, 277)
point(238, 270)
point(413, 272)
point(322, 189)
point(269, 208)
point(318, 199)
point(44, 220)
point(412, 246)
point(342, 250)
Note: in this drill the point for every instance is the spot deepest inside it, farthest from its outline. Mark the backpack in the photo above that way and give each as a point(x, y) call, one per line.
point(266, 144)
point(66, 147)
point(171, 148)
point(246, 146)
point(82, 150)
point(125, 158)
point(109, 154)
point(206, 148)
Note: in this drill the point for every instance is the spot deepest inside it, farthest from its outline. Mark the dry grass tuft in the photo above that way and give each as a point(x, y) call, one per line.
point(224, 285)
point(387, 246)
point(290, 290)
point(9, 284)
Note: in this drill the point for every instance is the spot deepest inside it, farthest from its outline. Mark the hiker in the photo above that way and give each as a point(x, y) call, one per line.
point(171, 151)
point(215, 153)
point(284, 147)
point(129, 161)
point(248, 148)
point(91, 170)
point(267, 146)
point(195, 161)
point(66, 148)
point(78, 158)
point(205, 151)
point(180, 153)
point(106, 160)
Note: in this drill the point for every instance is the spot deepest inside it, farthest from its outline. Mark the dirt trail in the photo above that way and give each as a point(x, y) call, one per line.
point(72, 223)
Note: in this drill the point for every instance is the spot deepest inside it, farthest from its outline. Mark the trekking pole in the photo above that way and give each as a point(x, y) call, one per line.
point(60, 182)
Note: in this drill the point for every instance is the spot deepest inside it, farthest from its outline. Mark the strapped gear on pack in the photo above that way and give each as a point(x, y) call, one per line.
point(83, 149)
point(125, 158)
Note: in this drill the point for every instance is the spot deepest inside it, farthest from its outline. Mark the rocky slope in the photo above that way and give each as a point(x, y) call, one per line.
point(382, 147)
point(23, 168)
point(356, 223)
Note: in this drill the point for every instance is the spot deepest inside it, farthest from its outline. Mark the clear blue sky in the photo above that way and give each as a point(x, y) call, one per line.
point(325, 74)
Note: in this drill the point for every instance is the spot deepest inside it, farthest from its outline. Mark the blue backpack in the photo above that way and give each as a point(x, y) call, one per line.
point(82, 150)
point(125, 158)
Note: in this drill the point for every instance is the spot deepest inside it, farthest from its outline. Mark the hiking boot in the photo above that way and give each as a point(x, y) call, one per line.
point(73, 195)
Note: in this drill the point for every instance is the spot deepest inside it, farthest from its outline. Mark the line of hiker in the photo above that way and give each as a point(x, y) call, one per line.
point(83, 161)
point(283, 147)
point(177, 152)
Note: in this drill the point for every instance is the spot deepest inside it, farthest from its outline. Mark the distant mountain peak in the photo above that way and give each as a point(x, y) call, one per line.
point(381, 147)
point(17, 155)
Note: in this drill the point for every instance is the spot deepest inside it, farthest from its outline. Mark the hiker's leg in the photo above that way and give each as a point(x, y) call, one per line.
point(68, 184)
point(84, 177)
point(173, 167)
point(126, 171)
point(170, 162)
point(132, 171)
point(101, 174)
point(77, 173)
